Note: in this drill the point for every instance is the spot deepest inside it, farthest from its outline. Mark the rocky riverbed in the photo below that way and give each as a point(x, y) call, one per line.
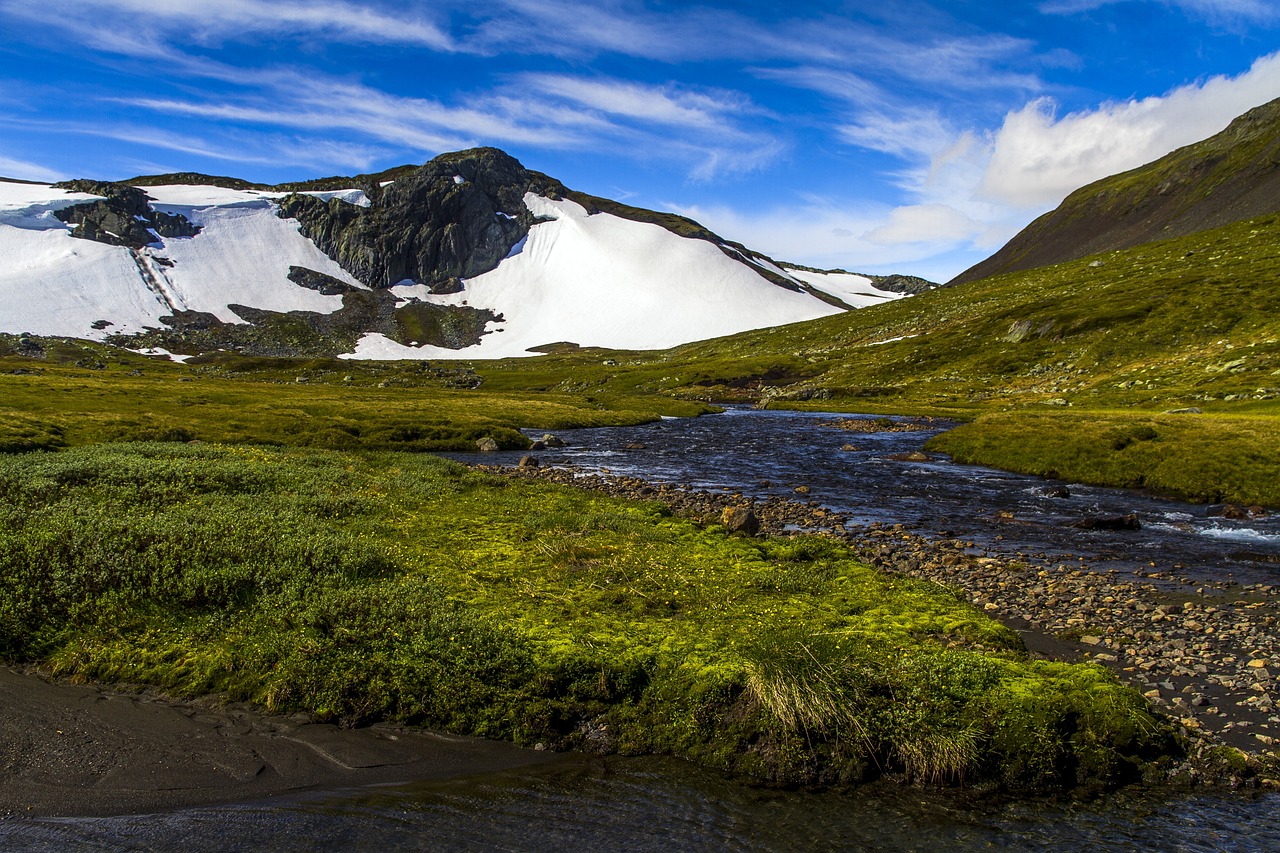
point(1204, 653)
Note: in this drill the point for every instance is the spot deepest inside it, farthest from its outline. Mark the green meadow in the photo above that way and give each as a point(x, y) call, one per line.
point(361, 586)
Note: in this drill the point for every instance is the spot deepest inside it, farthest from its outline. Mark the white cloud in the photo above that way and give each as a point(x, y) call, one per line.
point(661, 104)
point(1037, 158)
point(1216, 11)
point(925, 223)
point(25, 170)
point(905, 132)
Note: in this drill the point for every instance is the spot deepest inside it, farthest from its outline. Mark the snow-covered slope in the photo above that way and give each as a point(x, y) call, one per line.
point(590, 279)
point(54, 284)
point(600, 280)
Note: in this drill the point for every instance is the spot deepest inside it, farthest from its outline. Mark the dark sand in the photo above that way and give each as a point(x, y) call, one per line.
point(74, 750)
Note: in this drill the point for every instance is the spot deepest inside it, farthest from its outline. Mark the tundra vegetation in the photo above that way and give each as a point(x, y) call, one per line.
point(361, 586)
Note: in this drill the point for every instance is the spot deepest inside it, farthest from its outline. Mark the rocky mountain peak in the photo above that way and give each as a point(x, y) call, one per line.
point(454, 217)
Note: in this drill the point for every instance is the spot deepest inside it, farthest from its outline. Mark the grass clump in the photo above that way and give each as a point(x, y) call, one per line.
point(363, 586)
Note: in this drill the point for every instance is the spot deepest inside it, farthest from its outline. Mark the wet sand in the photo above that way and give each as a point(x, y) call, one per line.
point(76, 750)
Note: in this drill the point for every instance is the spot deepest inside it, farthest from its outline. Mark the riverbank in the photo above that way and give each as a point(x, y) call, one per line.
point(364, 588)
point(85, 750)
point(1204, 653)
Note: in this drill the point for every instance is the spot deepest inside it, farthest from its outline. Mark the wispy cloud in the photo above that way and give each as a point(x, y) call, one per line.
point(24, 170)
point(233, 20)
point(1214, 11)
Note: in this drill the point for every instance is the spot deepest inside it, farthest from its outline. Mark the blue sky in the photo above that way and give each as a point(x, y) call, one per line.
point(880, 137)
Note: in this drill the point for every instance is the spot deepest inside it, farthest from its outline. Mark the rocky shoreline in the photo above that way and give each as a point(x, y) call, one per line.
point(1205, 654)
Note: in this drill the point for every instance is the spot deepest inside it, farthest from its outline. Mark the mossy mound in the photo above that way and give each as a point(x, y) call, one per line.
point(365, 587)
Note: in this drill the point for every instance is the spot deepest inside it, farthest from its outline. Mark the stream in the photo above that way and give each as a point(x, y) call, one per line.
point(773, 452)
point(588, 803)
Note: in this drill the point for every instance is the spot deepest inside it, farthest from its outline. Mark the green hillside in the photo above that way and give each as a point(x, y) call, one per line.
point(1228, 177)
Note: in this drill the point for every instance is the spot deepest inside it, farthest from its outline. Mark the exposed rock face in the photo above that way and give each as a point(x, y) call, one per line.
point(320, 282)
point(314, 335)
point(740, 519)
point(908, 284)
point(1229, 177)
point(124, 218)
point(455, 217)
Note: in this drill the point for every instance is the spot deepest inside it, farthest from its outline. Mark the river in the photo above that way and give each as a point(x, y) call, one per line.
point(588, 803)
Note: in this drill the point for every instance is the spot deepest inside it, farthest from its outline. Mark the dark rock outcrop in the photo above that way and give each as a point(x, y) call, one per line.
point(740, 519)
point(908, 284)
point(123, 218)
point(453, 218)
point(319, 282)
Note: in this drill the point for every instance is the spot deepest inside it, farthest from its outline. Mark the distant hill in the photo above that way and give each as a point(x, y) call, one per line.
point(1232, 176)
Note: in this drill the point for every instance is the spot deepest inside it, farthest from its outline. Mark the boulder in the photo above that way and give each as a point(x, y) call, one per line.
point(487, 445)
point(550, 440)
point(527, 461)
point(740, 519)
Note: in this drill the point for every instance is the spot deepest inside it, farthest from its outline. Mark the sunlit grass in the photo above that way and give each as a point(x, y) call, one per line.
point(360, 587)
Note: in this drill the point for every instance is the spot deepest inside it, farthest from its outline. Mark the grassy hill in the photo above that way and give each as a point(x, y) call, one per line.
point(1231, 176)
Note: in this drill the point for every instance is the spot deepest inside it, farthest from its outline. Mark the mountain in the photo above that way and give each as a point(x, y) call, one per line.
point(470, 255)
point(1229, 177)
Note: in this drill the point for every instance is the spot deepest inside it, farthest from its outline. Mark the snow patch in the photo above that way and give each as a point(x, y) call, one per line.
point(856, 291)
point(351, 196)
point(181, 359)
point(375, 346)
point(606, 281)
point(54, 284)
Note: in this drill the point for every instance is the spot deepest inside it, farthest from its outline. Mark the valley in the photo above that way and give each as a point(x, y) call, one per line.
point(217, 479)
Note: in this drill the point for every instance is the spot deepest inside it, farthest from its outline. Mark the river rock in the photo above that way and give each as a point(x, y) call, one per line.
point(487, 445)
point(740, 519)
point(913, 456)
point(528, 461)
point(1128, 521)
point(549, 440)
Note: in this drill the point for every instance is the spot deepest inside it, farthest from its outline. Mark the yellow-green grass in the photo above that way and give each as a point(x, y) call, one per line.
point(1199, 457)
point(54, 402)
point(364, 586)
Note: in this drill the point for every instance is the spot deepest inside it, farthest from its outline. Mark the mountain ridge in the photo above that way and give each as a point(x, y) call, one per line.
point(430, 261)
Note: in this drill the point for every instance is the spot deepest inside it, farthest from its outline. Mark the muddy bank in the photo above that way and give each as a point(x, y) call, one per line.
point(1205, 653)
point(75, 750)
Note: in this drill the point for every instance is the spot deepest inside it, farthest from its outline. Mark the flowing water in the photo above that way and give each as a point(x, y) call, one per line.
point(585, 803)
point(588, 804)
point(771, 453)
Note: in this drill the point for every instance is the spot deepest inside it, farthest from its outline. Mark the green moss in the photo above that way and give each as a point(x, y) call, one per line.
point(363, 587)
